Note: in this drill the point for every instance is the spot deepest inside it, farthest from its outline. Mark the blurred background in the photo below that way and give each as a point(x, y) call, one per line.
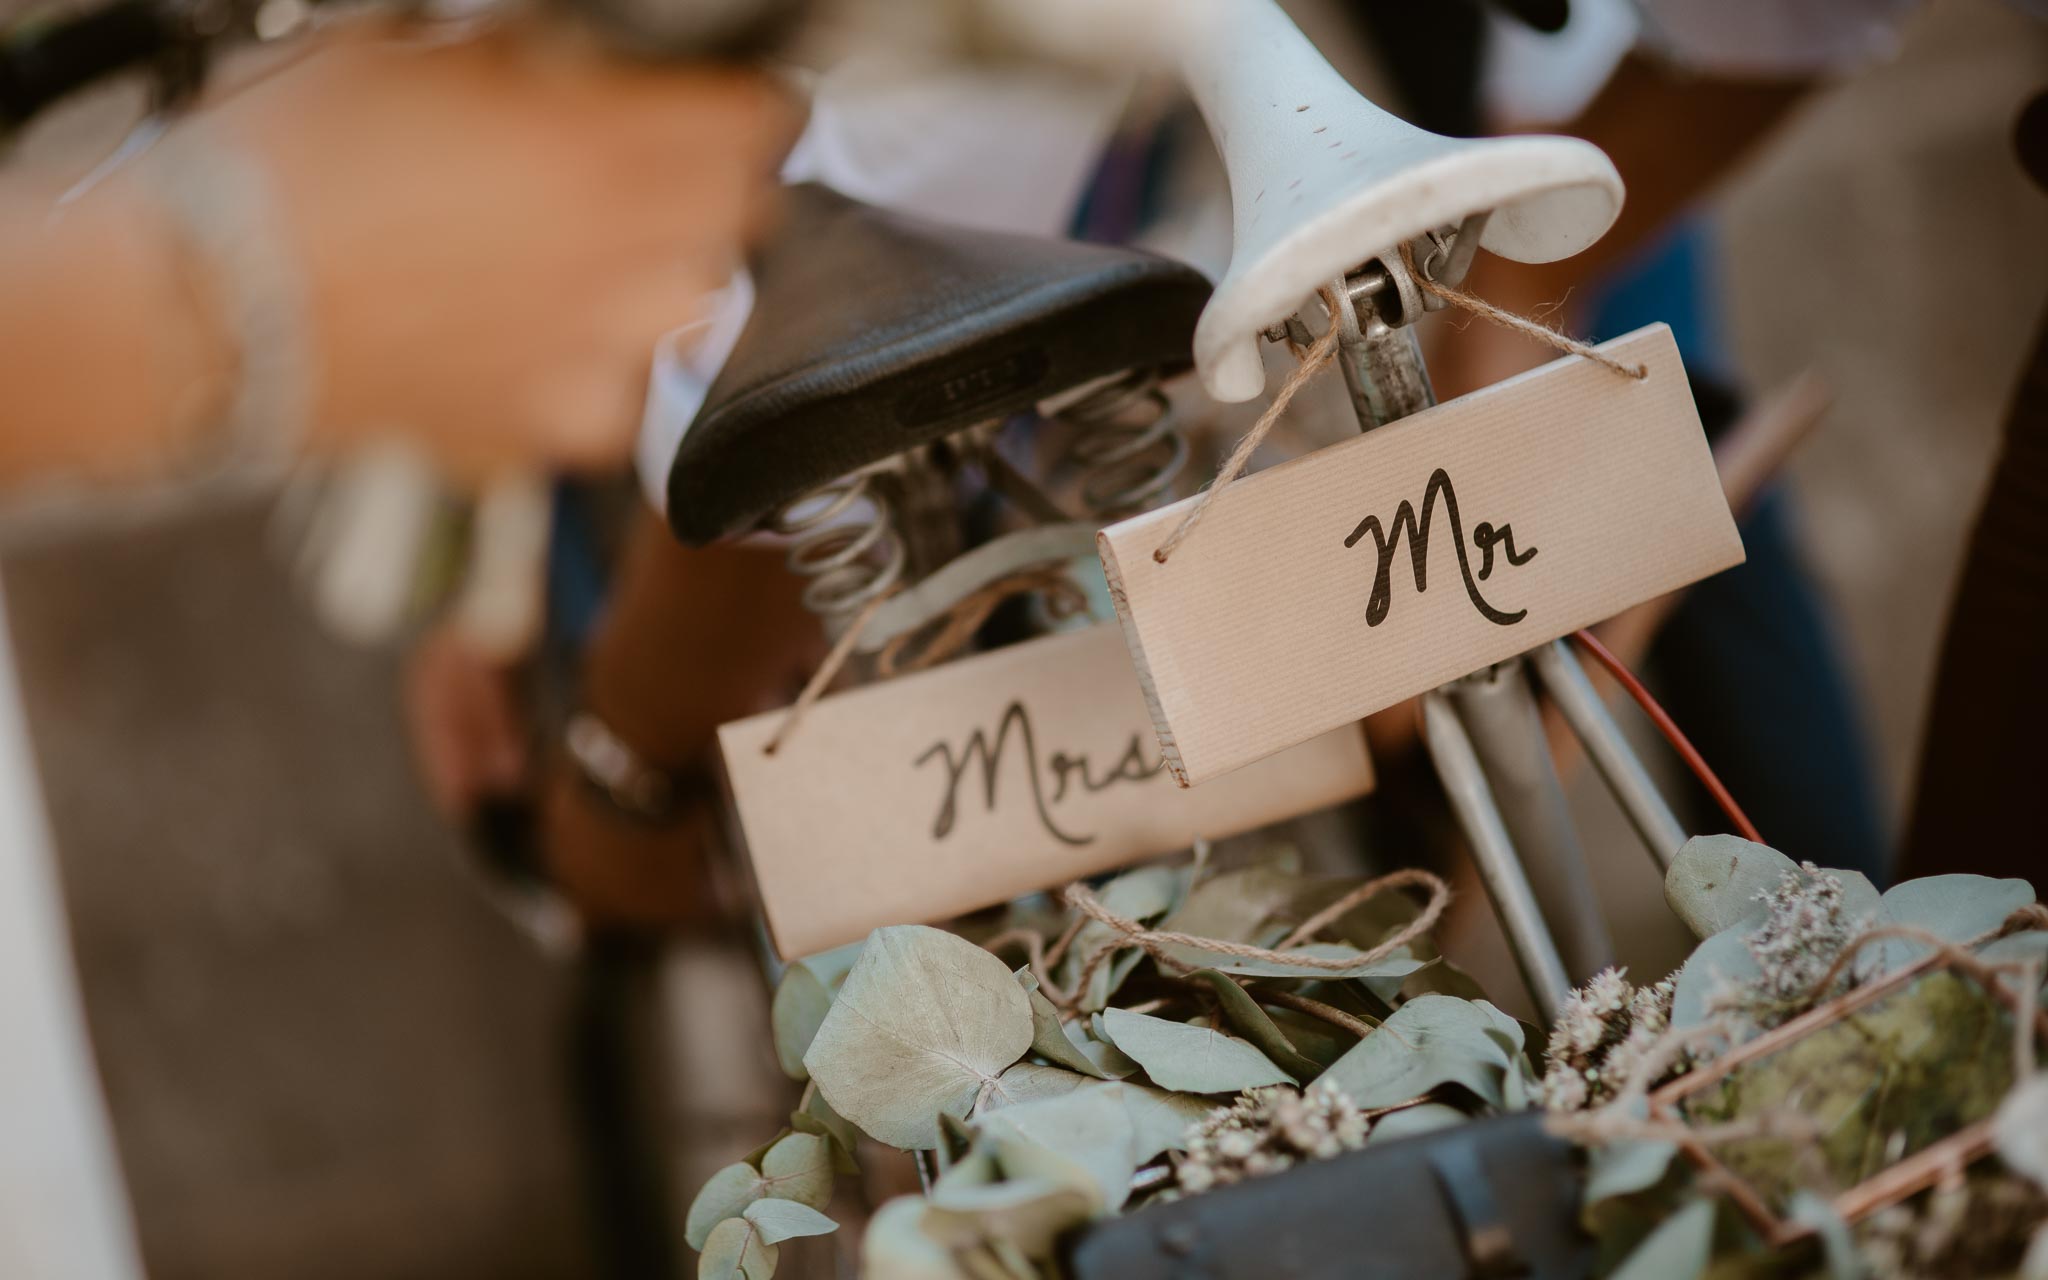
point(323, 1052)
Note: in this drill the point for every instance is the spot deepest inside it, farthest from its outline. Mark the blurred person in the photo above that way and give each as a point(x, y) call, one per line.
point(469, 239)
point(674, 640)
point(1722, 75)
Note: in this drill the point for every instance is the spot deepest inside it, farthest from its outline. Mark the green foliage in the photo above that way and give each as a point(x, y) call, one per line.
point(1678, 1249)
point(1713, 882)
point(1044, 1102)
point(801, 1001)
point(923, 1024)
point(1880, 1083)
point(744, 1246)
point(1189, 1058)
point(1052, 1040)
point(1438, 1040)
point(797, 1167)
point(1242, 1011)
point(1848, 1097)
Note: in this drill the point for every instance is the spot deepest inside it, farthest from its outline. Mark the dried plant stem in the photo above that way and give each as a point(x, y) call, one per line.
point(1315, 1008)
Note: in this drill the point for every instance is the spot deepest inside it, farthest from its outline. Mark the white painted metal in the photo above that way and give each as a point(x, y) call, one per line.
point(1321, 180)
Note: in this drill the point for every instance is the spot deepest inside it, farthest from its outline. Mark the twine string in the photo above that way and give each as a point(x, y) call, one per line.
point(958, 626)
point(1063, 599)
point(1523, 325)
point(1318, 355)
point(1154, 942)
point(1312, 362)
point(821, 679)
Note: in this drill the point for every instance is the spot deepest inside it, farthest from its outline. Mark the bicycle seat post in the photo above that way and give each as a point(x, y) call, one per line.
point(1484, 732)
point(1322, 180)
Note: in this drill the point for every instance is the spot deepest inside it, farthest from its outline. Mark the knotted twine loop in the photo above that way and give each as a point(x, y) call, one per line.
point(1523, 325)
point(1064, 599)
point(1312, 362)
point(1155, 941)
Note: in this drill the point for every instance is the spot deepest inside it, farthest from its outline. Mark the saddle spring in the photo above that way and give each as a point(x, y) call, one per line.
point(1127, 446)
point(843, 537)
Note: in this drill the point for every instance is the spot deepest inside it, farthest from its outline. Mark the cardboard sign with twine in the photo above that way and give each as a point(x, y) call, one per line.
point(1333, 585)
point(965, 785)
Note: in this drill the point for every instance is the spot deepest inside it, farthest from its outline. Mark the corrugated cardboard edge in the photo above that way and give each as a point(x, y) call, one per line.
point(734, 833)
point(1169, 750)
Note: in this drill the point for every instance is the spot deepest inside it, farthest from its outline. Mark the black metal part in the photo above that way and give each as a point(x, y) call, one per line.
point(1486, 1200)
point(44, 62)
point(874, 332)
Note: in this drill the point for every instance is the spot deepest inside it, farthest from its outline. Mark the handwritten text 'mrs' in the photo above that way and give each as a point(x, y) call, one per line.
point(1049, 779)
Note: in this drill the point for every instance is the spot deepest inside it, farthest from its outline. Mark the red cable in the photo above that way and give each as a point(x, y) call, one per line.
point(1672, 733)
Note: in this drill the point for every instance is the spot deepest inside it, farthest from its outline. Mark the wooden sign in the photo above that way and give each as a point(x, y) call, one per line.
point(1333, 585)
point(982, 779)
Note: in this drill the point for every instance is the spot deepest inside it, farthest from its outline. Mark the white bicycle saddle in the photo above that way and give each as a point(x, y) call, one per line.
point(1322, 181)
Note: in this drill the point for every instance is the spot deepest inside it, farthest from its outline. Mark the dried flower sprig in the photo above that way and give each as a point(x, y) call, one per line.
point(1603, 1032)
point(1269, 1130)
point(1805, 928)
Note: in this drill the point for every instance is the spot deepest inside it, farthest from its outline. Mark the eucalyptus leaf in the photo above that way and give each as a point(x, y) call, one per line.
point(1086, 1134)
point(1844, 1262)
point(801, 1001)
point(726, 1194)
point(1029, 1082)
point(797, 1166)
point(2019, 1129)
point(1441, 978)
point(1245, 1017)
point(1190, 1059)
point(1428, 1042)
point(1030, 1213)
point(736, 1251)
point(1861, 902)
point(1677, 1250)
point(1721, 959)
point(1051, 1039)
point(779, 1220)
point(955, 1140)
point(760, 1153)
point(1955, 908)
point(1427, 1117)
point(1312, 1037)
point(923, 1024)
point(1160, 1118)
point(816, 1115)
point(895, 1245)
point(1395, 966)
point(1713, 881)
point(2032, 944)
point(1623, 1168)
point(1233, 904)
point(975, 1169)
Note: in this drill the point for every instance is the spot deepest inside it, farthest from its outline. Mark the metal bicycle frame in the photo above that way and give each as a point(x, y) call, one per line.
point(1484, 731)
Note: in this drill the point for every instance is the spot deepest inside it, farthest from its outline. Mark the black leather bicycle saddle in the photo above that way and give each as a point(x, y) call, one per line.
point(874, 332)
